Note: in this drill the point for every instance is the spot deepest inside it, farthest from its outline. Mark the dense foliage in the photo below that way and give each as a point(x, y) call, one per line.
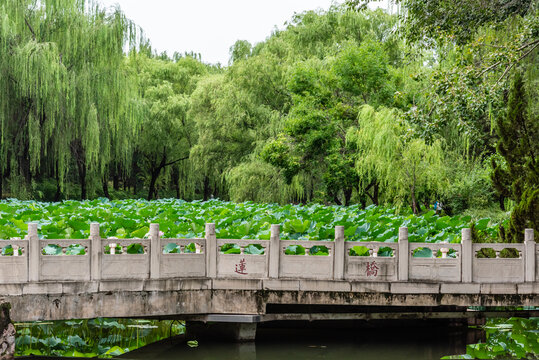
point(342, 106)
point(180, 219)
point(513, 338)
point(101, 337)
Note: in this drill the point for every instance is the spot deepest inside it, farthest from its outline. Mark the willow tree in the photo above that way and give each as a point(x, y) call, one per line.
point(407, 168)
point(66, 100)
point(167, 133)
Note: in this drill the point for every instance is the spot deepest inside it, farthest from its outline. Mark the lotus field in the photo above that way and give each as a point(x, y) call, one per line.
point(180, 219)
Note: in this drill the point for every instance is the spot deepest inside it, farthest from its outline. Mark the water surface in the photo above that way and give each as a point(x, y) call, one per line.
point(426, 342)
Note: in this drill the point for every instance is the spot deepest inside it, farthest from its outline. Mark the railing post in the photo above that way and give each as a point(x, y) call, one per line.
point(274, 251)
point(211, 251)
point(95, 252)
point(403, 254)
point(466, 256)
point(529, 256)
point(155, 251)
point(33, 253)
point(339, 255)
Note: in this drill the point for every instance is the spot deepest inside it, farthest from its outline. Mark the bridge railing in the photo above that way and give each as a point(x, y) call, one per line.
point(97, 258)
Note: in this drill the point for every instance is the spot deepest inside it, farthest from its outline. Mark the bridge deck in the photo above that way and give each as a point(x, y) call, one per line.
point(200, 279)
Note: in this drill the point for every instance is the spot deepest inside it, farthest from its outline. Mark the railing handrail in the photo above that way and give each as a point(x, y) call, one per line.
point(339, 264)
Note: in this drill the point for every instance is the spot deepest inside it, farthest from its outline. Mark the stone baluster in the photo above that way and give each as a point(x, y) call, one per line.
point(274, 251)
point(155, 251)
point(96, 251)
point(444, 252)
point(112, 248)
point(467, 255)
point(339, 255)
point(529, 256)
point(403, 254)
point(33, 253)
point(211, 251)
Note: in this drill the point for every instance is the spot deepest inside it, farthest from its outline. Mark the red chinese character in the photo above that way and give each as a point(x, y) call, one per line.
point(240, 268)
point(372, 269)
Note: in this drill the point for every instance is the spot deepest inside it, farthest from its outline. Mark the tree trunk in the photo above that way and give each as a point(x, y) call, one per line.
point(375, 193)
point(58, 194)
point(347, 196)
point(106, 187)
point(501, 201)
point(82, 179)
point(336, 199)
point(1, 184)
point(206, 191)
point(363, 201)
point(116, 182)
point(79, 156)
point(415, 207)
point(153, 180)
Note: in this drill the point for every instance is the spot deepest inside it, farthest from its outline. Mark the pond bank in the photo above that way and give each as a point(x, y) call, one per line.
point(7, 333)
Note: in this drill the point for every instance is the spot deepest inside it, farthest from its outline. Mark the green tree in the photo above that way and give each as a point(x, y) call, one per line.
point(66, 99)
point(241, 50)
point(518, 176)
point(326, 97)
point(407, 168)
point(233, 113)
point(167, 133)
point(363, 71)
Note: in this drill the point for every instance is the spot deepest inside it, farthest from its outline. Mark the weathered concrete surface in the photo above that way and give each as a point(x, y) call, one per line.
point(7, 333)
point(220, 331)
point(175, 298)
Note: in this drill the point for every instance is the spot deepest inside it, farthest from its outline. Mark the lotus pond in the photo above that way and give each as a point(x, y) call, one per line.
point(180, 219)
point(105, 338)
point(514, 338)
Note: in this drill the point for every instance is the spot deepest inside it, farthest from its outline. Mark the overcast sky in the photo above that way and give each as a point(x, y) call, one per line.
point(210, 27)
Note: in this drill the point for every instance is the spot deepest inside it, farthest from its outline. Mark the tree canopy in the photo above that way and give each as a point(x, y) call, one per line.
point(436, 103)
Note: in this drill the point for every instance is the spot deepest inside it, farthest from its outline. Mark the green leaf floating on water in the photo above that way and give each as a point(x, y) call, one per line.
point(192, 343)
point(115, 351)
point(76, 341)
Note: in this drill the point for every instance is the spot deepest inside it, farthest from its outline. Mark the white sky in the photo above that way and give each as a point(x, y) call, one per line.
point(211, 27)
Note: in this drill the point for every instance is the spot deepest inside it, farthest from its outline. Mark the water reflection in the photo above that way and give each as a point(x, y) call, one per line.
point(342, 341)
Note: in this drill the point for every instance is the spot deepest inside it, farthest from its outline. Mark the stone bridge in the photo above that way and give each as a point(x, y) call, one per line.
point(199, 283)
